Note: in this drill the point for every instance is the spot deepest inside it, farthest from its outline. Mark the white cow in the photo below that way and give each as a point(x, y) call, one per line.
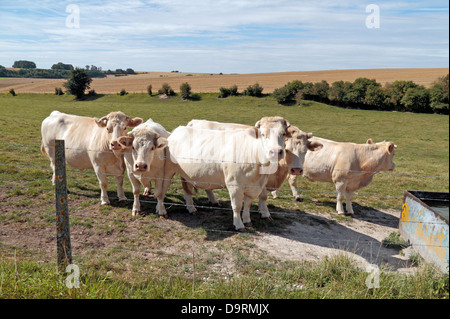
point(141, 146)
point(90, 143)
point(349, 166)
point(297, 144)
point(211, 159)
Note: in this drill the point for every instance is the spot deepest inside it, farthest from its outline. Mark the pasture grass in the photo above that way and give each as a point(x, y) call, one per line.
point(239, 271)
point(333, 277)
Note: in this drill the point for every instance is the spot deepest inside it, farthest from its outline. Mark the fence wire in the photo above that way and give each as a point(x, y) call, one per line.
point(330, 242)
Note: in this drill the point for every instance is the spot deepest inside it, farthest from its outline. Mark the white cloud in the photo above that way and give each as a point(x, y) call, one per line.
point(226, 35)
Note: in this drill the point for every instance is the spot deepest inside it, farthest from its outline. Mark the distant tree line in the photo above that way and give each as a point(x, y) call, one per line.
point(364, 93)
point(27, 69)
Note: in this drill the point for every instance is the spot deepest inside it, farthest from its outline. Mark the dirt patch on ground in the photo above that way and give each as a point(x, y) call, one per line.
point(315, 236)
point(292, 236)
point(204, 83)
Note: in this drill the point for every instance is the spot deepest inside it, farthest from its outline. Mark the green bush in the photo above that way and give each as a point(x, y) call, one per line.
point(149, 90)
point(78, 82)
point(123, 92)
point(254, 90)
point(416, 99)
point(226, 92)
point(58, 91)
point(12, 92)
point(166, 89)
point(185, 91)
point(282, 95)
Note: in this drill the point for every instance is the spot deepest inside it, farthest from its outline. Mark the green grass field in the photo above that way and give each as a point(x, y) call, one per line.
point(122, 270)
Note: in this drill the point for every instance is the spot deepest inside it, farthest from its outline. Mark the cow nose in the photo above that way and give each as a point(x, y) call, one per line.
point(296, 171)
point(141, 166)
point(115, 145)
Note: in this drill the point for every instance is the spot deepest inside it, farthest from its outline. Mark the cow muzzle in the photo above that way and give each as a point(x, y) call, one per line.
point(296, 171)
point(115, 146)
point(140, 167)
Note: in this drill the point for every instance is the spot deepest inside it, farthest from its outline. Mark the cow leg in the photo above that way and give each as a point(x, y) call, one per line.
point(262, 205)
point(236, 197)
point(189, 200)
point(136, 185)
point(340, 189)
point(348, 204)
point(148, 189)
point(188, 192)
point(275, 193)
point(120, 191)
point(292, 179)
point(246, 211)
point(161, 187)
point(212, 199)
point(103, 181)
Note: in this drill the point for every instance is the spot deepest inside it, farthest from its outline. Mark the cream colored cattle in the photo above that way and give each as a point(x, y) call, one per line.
point(296, 145)
point(90, 143)
point(212, 159)
point(141, 147)
point(349, 166)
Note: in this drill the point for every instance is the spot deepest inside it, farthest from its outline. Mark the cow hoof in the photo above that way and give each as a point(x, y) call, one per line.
point(269, 219)
point(299, 199)
point(194, 213)
point(135, 213)
point(241, 230)
point(165, 216)
point(215, 205)
point(248, 224)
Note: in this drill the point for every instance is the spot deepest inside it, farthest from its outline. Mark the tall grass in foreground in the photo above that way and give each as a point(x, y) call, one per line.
point(334, 277)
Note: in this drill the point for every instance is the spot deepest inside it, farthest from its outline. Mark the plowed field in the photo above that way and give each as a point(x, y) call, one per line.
point(204, 83)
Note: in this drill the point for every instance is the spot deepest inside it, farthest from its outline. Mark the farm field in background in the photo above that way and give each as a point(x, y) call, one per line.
point(207, 83)
point(199, 256)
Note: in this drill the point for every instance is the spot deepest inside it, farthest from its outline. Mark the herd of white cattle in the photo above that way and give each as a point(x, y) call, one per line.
point(247, 160)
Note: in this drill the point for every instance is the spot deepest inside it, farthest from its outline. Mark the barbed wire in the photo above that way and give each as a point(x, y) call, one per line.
point(205, 160)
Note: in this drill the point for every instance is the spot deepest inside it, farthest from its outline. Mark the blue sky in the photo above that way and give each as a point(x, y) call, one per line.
point(229, 36)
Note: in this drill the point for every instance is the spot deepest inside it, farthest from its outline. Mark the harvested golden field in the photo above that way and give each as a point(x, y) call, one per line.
point(204, 83)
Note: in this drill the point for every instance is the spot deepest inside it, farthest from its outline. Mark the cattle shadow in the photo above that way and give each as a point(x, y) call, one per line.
point(365, 213)
point(321, 230)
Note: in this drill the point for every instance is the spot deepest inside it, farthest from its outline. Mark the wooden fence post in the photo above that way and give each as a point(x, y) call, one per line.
point(64, 250)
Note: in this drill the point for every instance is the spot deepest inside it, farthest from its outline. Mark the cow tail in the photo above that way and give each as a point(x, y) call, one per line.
point(43, 150)
point(187, 189)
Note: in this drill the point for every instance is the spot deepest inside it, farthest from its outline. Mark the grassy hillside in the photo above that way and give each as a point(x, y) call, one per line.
point(143, 257)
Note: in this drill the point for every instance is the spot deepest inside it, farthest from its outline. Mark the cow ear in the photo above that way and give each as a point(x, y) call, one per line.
point(309, 135)
point(126, 141)
point(101, 122)
point(134, 122)
point(314, 146)
point(369, 141)
point(289, 131)
point(258, 124)
point(161, 142)
point(286, 122)
point(391, 147)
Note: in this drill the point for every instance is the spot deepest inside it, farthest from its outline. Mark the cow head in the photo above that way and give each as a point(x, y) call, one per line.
point(297, 144)
point(142, 143)
point(273, 131)
point(116, 124)
point(388, 152)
